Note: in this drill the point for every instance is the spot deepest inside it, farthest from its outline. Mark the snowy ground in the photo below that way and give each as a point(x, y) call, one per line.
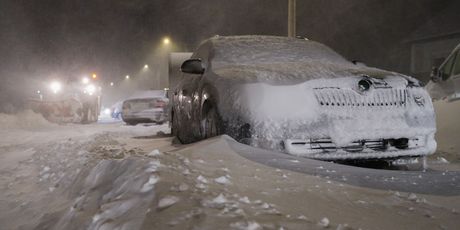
point(113, 176)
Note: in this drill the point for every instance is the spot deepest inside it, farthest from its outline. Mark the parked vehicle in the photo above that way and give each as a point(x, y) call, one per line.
point(300, 97)
point(146, 107)
point(445, 79)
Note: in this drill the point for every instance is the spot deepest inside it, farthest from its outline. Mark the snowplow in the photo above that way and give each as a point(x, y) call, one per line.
point(75, 102)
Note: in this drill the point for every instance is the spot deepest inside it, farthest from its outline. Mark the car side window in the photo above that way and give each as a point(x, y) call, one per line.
point(456, 66)
point(446, 70)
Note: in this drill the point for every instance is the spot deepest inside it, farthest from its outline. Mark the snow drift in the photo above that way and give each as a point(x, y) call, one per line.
point(26, 119)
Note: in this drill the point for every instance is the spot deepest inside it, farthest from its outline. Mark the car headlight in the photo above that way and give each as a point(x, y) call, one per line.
point(55, 87)
point(90, 89)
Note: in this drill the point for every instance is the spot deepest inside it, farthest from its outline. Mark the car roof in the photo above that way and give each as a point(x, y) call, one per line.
point(260, 48)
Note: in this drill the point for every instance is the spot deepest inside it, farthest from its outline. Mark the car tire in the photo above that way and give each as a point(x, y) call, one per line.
point(132, 123)
point(209, 123)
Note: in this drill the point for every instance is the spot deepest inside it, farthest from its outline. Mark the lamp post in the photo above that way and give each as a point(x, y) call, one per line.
point(291, 18)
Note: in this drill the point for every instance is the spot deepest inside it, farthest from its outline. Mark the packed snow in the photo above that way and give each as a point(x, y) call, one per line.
point(112, 176)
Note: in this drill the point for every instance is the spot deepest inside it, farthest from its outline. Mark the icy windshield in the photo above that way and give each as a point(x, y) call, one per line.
point(246, 50)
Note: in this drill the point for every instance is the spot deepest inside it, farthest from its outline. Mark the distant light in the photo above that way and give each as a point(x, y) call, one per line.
point(166, 41)
point(111, 83)
point(107, 111)
point(146, 66)
point(85, 80)
point(127, 77)
point(90, 89)
point(55, 86)
point(94, 76)
point(38, 91)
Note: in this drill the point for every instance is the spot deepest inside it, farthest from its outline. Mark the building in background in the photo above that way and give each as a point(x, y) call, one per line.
point(433, 41)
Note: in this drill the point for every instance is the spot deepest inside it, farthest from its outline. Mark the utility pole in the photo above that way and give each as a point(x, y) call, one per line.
point(291, 18)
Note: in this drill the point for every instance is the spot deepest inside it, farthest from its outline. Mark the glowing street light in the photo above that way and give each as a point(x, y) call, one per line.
point(94, 76)
point(111, 83)
point(127, 77)
point(146, 66)
point(166, 41)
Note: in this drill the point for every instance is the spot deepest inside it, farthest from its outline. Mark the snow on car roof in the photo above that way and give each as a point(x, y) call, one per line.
point(147, 94)
point(263, 49)
point(254, 58)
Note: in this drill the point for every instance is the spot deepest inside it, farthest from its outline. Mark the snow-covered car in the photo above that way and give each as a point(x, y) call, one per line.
point(149, 106)
point(299, 96)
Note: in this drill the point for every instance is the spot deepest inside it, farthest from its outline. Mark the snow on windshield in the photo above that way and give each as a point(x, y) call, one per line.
point(269, 49)
point(279, 60)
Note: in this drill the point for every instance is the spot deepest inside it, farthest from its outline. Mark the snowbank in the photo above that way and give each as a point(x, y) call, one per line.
point(26, 119)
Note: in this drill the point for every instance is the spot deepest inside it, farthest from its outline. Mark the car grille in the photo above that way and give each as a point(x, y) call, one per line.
point(349, 98)
point(327, 145)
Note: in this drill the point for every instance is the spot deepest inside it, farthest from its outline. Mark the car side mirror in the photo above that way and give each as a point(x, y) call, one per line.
point(435, 74)
point(192, 66)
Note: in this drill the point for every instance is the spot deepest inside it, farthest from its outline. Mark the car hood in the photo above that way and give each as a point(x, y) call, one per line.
point(295, 72)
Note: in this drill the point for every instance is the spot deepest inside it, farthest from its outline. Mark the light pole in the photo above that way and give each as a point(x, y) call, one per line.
point(291, 18)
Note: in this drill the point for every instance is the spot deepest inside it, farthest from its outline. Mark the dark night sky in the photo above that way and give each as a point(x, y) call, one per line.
point(40, 38)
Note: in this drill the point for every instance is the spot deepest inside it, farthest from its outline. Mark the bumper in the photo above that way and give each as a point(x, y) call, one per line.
point(325, 149)
point(145, 116)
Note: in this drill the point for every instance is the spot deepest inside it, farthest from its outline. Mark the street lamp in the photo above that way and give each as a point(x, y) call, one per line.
point(146, 66)
point(166, 41)
point(111, 83)
point(127, 77)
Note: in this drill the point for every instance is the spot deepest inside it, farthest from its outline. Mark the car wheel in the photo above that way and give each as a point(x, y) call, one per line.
point(209, 123)
point(131, 123)
point(85, 114)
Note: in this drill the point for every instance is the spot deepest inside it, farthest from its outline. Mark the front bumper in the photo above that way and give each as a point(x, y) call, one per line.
point(326, 149)
point(153, 116)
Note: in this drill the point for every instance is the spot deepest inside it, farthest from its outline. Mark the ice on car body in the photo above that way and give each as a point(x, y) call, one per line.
point(301, 97)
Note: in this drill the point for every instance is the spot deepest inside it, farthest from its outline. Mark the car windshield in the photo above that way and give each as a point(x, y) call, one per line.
point(263, 50)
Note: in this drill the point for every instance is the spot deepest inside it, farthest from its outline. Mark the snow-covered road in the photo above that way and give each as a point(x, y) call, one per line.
point(113, 176)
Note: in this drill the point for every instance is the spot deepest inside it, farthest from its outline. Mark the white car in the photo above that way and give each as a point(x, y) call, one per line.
point(300, 97)
point(145, 107)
